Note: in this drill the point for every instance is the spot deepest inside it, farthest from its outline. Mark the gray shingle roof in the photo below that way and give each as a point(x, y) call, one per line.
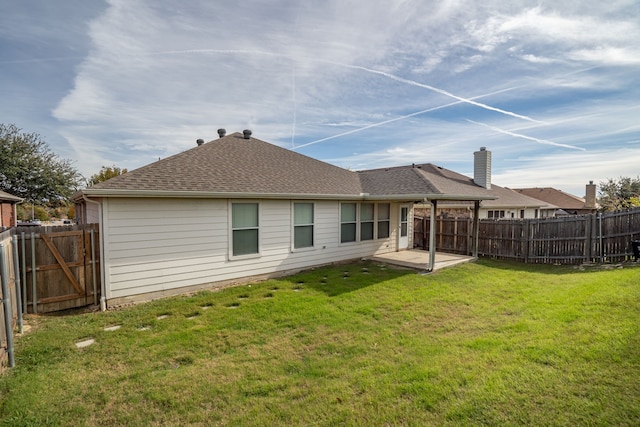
point(233, 164)
point(425, 179)
point(554, 197)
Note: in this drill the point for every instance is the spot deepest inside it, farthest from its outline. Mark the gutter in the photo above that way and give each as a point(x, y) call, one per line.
point(103, 298)
point(294, 196)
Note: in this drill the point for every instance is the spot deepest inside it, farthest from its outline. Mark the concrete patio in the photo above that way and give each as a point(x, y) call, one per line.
point(419, 259)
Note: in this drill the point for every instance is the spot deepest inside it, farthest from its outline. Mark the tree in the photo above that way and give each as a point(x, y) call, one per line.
point(621, 194)
point(29, 169)
point(106, 172)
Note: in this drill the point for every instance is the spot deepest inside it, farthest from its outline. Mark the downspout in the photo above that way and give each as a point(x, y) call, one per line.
point(103, 298)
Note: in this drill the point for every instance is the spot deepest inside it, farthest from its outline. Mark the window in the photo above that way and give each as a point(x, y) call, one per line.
point(244, 228)
point(366, 221)
point(521, 213)
point(302, 225)
point(404, 221)
point(384, 220)
point(495, 214)
point(348, 222)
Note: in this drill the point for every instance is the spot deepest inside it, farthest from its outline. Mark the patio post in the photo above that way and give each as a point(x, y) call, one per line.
point(476, 228)
point(432, 236)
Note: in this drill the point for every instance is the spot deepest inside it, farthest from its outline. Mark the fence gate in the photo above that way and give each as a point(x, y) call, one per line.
point(58, 270)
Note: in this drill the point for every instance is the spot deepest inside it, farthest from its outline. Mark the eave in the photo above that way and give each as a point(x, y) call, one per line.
point(89, 192)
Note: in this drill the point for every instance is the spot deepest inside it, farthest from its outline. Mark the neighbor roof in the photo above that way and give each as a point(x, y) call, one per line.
point(9, 197)
point(554, 197)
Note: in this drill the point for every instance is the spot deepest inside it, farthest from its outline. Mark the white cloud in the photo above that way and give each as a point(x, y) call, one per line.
point(389, 80)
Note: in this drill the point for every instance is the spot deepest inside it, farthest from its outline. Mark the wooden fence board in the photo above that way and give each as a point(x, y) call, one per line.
point(567, 240)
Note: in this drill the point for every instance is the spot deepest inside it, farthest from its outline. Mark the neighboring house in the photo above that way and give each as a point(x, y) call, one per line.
point(560, 203)
point(8, 214)
point(506, 203)
point(237, 208)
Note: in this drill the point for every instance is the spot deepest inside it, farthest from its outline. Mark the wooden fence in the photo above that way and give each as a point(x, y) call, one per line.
point(569, 240)
point(59, 267)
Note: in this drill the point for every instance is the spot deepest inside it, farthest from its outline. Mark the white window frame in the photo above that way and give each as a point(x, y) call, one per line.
point(371, 221)
point(294, 225)
point(231, 229)
point(378, 221)
point(358, 222)
point(491, 213)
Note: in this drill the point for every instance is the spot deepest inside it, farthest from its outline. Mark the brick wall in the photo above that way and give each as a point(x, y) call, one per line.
point(7, 218)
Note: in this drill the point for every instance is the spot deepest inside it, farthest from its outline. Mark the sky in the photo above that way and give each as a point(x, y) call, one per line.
point(551, 88)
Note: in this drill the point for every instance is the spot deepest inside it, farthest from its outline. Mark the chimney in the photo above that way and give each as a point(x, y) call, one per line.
point(590, 197)
point(482, 168)
point(222, 132)
point(246, 133)
point(199, 142)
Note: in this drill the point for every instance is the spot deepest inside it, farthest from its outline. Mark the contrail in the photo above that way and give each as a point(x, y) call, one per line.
point(518, 135)
point(417, 113)
point(368, 70)
point(435, 89)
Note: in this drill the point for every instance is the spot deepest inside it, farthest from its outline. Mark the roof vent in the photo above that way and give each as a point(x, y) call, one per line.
point(246, 133)
point(222, 132)
point(199, 142)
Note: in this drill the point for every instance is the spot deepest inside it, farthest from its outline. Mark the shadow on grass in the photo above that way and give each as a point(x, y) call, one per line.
point(341, 279)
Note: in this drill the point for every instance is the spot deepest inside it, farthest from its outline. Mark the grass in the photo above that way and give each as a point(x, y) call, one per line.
point(489, 343)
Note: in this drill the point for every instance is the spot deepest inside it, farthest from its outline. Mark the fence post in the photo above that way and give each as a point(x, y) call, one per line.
point(6, 300)
point(16, 271)
point(587, 238)
point(24, 274)
point(93, 268)
point(600, 237)
point(34, 290)
point(527, 225)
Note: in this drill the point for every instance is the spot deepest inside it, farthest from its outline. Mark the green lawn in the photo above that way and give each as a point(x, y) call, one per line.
point(488, 343)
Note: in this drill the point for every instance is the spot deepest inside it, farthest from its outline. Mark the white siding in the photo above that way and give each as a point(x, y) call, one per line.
point(156, 245)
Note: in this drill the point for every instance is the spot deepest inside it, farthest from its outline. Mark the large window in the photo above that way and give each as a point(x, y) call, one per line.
point(361, 221)
point(302, 225)
point(366, 221)
point(244, 228)
point(384, 220)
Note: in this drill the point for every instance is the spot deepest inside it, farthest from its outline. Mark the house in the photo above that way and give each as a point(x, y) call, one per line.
point(560, 203)
point(8, 214)
point(504, 202)
point(238, 208)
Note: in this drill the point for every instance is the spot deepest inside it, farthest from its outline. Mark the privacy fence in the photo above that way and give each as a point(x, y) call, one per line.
point(569, 240)
point(45, 269)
